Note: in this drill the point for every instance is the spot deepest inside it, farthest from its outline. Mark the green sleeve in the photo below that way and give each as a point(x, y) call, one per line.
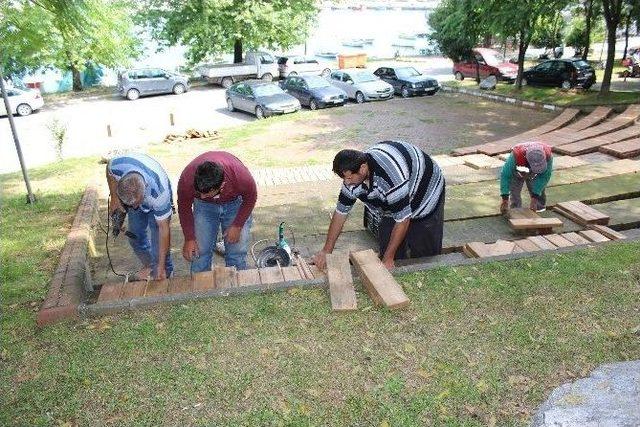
point(542, 180)
point(507, 175)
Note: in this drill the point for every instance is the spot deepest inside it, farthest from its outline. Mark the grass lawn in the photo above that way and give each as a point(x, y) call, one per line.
point(479, 345)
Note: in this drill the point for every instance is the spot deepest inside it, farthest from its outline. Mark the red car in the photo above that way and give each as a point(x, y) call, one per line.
point(489, 62)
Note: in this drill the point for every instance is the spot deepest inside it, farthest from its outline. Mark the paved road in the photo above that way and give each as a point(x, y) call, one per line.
point(133, 123)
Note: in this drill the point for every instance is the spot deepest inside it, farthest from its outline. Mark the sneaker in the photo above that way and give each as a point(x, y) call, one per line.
point(220, 248)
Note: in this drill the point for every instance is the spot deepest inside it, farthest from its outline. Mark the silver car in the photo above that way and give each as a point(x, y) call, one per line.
point(133, 84)
point(261, 98)
point(361, 85)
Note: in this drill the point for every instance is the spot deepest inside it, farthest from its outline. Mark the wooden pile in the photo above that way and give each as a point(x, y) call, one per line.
point(190, 134)
point(581, 214)
point(527, 221)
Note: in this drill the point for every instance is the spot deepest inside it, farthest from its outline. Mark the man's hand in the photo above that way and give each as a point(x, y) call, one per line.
point(389, 263)
point(190, 249)
point(504, 206)
point(232, 235)
point(320, 260)
point(114, 204)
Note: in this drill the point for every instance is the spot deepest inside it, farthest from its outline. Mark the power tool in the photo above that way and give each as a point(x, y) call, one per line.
point(117, 219)
point(278, 254)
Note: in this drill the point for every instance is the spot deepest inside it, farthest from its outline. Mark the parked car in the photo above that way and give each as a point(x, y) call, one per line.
point(135, 83)
point(487, 62)
point(22, 102)
point(256, 65)
point(300, 65)
point(361, 85)
point(261, 98)
point(564, 73)
point(314, 91)
point(407, 81)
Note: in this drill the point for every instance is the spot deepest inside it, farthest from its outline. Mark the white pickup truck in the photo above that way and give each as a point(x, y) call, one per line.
point(261, 65)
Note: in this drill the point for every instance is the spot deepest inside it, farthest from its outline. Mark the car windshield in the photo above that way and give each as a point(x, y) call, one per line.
point(266, 90)
point(404, 73)
point(363, 77)
point(581, 64)
point(316, 82)
point(493, 58)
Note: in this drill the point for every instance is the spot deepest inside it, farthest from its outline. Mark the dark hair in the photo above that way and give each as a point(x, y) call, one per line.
point(208, 177)
point(348, 160)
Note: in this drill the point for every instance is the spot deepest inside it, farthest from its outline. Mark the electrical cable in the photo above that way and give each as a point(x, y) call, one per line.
point(106, 243)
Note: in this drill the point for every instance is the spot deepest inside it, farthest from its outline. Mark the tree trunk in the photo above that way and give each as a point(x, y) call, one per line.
point(587, 41)
point(486, 41)
point(237, 51)
point(77, 80)
point(608, 68)
point(626, 37)
point(523, 43)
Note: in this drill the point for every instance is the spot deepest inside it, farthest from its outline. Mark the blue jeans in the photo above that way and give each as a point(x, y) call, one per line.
point(209, 218)
point(142, 224)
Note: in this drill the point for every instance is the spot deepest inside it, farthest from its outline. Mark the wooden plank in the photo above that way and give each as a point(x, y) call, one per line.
point(225, 277)
point(156, 287)
point(534, 223)
point(271, 275)
point(316, 272)
point(482, 161)
point(378, 281)
point(607, 232)
point(203, 281)
point(566, 162)
point(133, 289)
point(593, 236)
point(593, 144)
point(575, 238)
point(476, 250)
point(593, 216)
point(503, 247)
point(542, 243)
point(558, 240)
point(521, 213)
point(463, 151)
point(110, 292)
point(248, 277)
point(444, 160)
point(526, 245)
point(180, 285)
point(624, 149)
point(291, 274)
point(341, 291)
point(595, 117)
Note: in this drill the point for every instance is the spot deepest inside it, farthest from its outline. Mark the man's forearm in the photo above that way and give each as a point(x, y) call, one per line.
point(398, 233)
point(335, 228)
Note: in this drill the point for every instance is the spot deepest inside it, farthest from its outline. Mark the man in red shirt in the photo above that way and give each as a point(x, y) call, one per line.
point(216, 192)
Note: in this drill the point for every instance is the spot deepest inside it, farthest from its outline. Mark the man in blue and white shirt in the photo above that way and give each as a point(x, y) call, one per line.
point(405, 186)
point(140, 183)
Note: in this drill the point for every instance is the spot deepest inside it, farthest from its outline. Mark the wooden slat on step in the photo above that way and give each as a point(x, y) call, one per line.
point(203, 281)
point(133, 289)
point(534, 223)
point(526, 245)
point(271, 275)
point(341, 291)
point(291, 274)
point(607, 232)
point(180, 285)
point(110, 292)
point(593, 235)
point(225, 277)
point(248, 277)
point(156, 288)
point(575, 238)
point(379, 283)
point(542, 243)
point(558, 240)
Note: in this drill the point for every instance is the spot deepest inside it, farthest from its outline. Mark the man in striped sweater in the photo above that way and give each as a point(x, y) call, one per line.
point(405, 186)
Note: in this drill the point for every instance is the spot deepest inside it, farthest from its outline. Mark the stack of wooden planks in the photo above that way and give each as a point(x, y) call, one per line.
point(581, 214)
point(382, 288)
point(526, 220)
point(624, 149)
point(593, 144)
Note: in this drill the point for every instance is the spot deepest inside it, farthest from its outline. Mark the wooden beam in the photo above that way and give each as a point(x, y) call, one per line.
point(291, 274)
point(156, 287)
point(379, 283)
point(526, 245)
point(271, 275)
point(341, 291)
point(542, 243)
point(133, 289)
point(225, 277)
point(203, 281)
point(607, 232)
point(249, 277)
point(593, 235)
point(111, 292)
point(558, 240)
point(179, 285)
point(575, 238)
point(534, 223)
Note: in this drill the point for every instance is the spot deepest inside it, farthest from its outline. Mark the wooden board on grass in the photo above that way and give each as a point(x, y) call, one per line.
point(341, 291)
point(133, 289)
point(542, 243)
point(271, 275)
point(558, 240)
point(534, 223)
point(110, 292)
point(225, 277)
point(575, 238)
point(607, 232)
point(593, 236)
point(581, 213)
point(203, 281)
point(179, 285)
point(482, 161)
point(248, 277)
point(156, 288)
point(291, 274)
point(526, 245)
point(483, 250)
point(379, 283)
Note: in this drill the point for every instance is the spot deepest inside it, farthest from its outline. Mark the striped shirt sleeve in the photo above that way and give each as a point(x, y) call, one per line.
point(346, 200)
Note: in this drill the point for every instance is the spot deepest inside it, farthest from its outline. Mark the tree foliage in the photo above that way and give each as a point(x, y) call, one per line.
point(211, 27)
point(66, 34)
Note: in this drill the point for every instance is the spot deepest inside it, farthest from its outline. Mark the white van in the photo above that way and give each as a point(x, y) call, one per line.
point(300, 65)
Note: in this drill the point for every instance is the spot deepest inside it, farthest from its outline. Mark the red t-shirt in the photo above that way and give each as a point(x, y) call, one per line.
point(237, 182)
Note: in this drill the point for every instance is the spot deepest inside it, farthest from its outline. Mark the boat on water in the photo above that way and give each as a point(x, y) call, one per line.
point(354, 43)
point(407, 36)
point(403, 43)
point(327, 54)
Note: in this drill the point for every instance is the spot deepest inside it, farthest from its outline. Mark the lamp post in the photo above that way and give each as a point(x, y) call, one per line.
point(30, 197)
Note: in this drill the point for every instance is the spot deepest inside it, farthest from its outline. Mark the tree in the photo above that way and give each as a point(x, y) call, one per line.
point(548, 32)
point(612, 14)
point(211, 27)
point(66, 34)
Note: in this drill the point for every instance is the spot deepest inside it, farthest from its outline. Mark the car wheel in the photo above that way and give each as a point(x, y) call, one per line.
point(431, 93)
point(458, 75)
point(179, 89)
point(404, 92)
point(359, 97)
point(259, 113)
point(24, 109)
point(226, 82)
point(293, 73)
point(325, 72)
point(133, 94)
point(566, 85)
point(267, 77)
point(230, 106)
point(313, 105)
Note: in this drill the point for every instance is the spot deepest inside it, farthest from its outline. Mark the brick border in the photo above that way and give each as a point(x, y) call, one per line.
point(72, 277)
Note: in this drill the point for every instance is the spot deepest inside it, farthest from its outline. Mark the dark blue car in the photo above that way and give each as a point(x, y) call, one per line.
point(314, 91)
point(407, 81)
